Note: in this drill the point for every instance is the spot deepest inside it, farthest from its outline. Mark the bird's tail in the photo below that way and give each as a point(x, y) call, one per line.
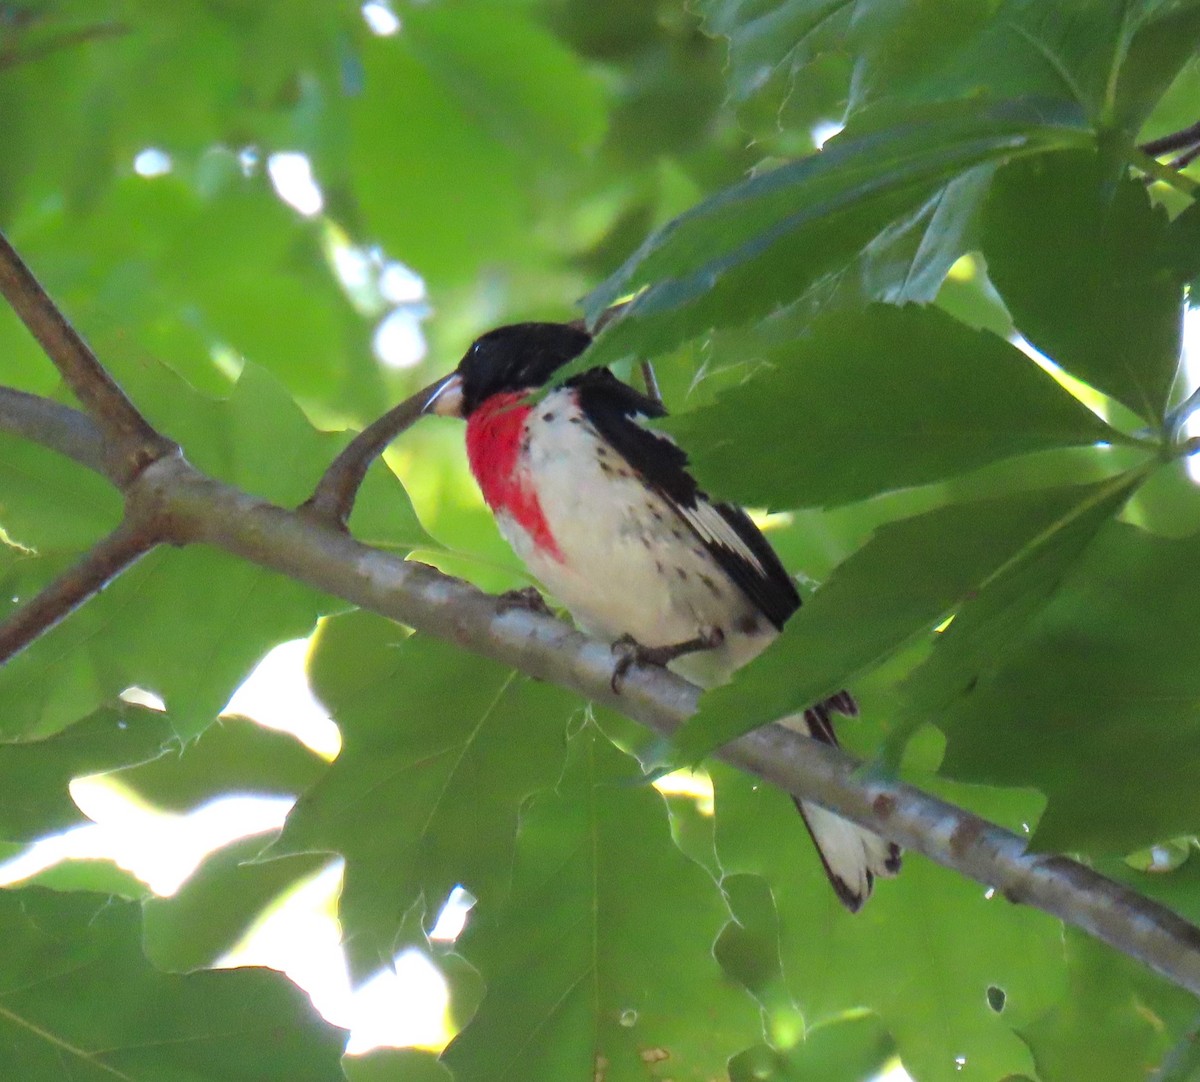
point(852, 855)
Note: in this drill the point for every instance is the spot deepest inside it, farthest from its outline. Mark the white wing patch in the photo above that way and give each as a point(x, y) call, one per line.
point(710, 524)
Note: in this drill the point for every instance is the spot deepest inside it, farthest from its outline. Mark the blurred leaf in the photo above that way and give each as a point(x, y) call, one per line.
point(1104, 1029)
point(852, 410)
point(396, 1065)
point(1084, 264)
point(763, 242)
point(234, 755)
point(851, 1049)
point(79, 998)
point(901, 584)
point(440, 749)
point(589, 963)
point(34, 776)
point(922, 954)
point(1091, 683)
point(466, 102)
point(218, 904)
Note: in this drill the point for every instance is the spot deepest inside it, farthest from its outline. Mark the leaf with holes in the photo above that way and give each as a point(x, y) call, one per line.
point(601, 959)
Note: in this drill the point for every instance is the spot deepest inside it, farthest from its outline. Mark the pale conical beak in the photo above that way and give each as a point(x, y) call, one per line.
point(445, 397)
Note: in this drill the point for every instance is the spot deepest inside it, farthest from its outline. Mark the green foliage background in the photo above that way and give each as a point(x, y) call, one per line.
point(831, 331)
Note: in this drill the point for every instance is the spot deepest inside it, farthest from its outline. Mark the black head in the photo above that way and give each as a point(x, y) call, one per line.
point(519, 357)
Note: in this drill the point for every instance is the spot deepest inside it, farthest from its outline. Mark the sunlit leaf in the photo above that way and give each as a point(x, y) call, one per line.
point(80, 1001)
point(1083, 262)
point(589, 965)
point(210, 913)
point(34, 776)
point(440, 750)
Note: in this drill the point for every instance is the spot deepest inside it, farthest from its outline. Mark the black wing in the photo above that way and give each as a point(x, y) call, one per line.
point(725, 531)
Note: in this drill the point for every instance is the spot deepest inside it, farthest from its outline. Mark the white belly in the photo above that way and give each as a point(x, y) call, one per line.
point(630, 565)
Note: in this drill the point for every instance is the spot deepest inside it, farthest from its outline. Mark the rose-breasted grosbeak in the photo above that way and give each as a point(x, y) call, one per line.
point(606, 516)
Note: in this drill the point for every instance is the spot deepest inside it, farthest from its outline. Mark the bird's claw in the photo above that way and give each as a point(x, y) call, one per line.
point(528, 598)
point(629, 651)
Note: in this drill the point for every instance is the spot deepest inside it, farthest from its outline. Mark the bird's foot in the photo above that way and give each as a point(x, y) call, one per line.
point(629, 652)
point(528, 598)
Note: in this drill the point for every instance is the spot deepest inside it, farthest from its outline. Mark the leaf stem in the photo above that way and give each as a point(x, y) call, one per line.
point(116, 553)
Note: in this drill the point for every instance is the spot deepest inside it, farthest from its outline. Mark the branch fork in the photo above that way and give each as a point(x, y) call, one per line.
point(170, 501)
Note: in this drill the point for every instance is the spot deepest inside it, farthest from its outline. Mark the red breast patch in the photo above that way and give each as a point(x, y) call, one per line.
point(495, 432)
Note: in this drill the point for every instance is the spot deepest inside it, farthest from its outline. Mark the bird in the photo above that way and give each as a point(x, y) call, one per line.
point(604, 513)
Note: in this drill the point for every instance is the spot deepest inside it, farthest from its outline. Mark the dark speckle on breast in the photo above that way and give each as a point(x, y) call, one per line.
point(681, 573)
point(548, 416)
point(712, 586)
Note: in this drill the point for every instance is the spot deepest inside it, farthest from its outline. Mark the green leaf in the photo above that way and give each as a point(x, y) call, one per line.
point(79, 1001)
point(1092, 682)
point(876, 400)
point(992, 624)
point(461, 102)
point(850, 1049)
point(440, 749)
point(590, 964)
point(50, 504)
point(259, 439)
point(1110, 1025)
point(34, 776)
point(218, 904)
point(1084, 264)
point(396, 1065)
point(766, 35)
point(765, 241)
point(188, 625)
point(232, 755)
point(922, 954)
point(1113, 58)
point(901, 584)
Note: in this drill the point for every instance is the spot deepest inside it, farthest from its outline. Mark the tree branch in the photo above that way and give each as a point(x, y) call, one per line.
point(1178, 140)
point(133, 437)
point(333, 498)
point(198, 508)
point(206, 510)
point(58, 427)
point(117, 552)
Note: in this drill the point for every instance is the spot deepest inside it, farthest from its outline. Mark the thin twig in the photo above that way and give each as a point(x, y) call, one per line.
point(51, 424)
point(117, 552)
point(1186, 159)
point(14, 57)
point(136, 440)
point(333, 498)
point(1177, 140)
